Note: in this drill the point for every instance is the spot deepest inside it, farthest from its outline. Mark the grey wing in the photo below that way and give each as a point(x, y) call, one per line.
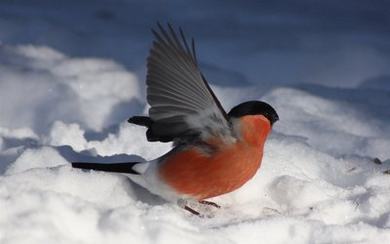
point(182, 103)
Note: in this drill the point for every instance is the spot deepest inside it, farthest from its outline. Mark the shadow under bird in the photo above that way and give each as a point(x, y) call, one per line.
point(213, 152)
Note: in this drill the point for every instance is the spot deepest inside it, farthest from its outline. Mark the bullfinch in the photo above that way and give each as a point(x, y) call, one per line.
point(214, 152)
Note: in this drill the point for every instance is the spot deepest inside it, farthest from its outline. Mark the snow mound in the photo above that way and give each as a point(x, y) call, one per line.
point(92, 92)
point(320, 181)
point(332, 126)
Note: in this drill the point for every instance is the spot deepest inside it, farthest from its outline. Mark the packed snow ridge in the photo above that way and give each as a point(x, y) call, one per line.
point(324, 177)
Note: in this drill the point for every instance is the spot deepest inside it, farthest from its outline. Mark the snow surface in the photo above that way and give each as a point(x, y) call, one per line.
point(66, 92)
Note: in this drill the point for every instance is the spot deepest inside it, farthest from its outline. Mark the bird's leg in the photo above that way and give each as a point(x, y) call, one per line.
point(209, 203)
point(194, 212)
point(183, 204)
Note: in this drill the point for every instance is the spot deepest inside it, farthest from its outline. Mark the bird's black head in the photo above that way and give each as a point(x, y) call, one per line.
point(253, 108)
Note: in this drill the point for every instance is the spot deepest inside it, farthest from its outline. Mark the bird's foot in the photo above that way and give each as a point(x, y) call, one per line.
point(184, 205)
point(209, 203)
point(202, 207)
point(194, 212)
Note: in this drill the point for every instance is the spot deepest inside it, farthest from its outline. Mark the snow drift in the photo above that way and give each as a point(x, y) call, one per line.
point(319, 181)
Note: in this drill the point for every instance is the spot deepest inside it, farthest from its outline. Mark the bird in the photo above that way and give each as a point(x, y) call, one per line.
point(214, 152)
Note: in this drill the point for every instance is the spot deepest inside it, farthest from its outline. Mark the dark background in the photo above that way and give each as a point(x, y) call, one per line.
point(332, 43)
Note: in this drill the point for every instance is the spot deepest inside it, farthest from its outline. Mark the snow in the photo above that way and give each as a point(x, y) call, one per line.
point(43, 77)
point(68, 83)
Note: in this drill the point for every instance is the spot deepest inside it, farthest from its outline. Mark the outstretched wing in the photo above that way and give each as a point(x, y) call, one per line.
point(182, 103)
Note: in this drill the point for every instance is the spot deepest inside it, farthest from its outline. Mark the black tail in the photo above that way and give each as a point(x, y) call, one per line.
point(141, 120)
point(115, 167)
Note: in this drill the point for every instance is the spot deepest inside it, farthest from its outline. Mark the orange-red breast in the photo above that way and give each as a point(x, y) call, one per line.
point(214, 152)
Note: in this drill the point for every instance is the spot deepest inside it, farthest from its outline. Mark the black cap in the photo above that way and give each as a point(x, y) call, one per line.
point(253, 108)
